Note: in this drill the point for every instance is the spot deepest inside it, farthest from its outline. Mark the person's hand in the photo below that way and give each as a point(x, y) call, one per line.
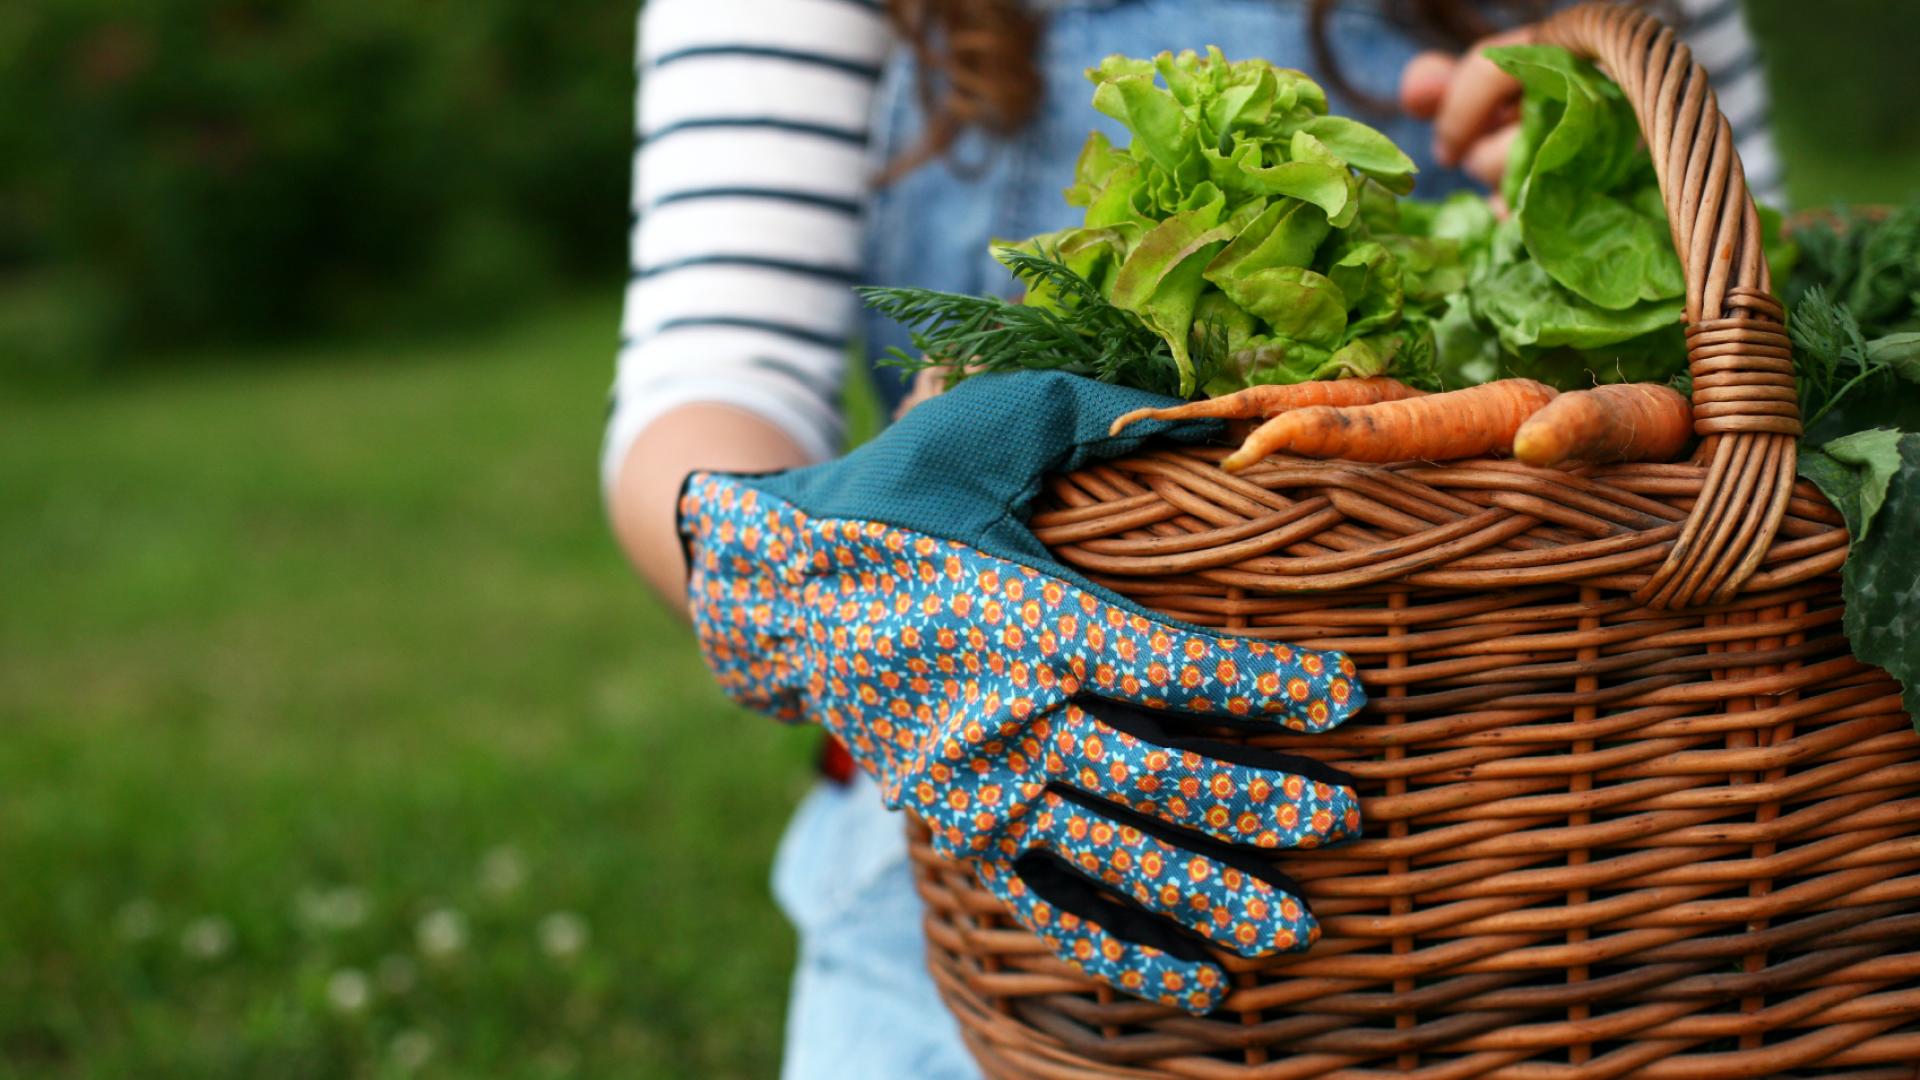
point(1474, 105)
point(928, 383)
point(1047, 730)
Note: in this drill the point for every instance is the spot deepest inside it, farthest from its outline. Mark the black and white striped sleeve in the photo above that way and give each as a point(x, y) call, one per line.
point(1716, 31)
point(750, 168)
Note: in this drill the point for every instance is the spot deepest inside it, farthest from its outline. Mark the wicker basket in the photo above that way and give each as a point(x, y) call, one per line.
point(1633, 810)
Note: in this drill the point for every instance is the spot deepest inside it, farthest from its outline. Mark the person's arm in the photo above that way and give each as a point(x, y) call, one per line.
point(1473, 104)
point(750, 170)
point(646, 491)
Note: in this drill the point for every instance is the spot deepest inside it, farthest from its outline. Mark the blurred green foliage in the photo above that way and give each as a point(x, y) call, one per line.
point(175, 170)
point(339, 742)
point(1844, 79)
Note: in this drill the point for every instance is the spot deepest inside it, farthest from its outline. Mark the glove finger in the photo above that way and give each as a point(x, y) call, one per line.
point(1224, 896)
point(1071, 914)
point(1237, 794)
point(1136, 659)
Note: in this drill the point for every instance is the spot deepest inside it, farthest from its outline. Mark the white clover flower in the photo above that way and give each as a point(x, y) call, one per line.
point(563, 935)
point(209, 937)
point(341, 908)
point(137, 920)
point(441, 932)
point(396, 974)
point(411, 1049)
point(502, 871)
point(348, 990)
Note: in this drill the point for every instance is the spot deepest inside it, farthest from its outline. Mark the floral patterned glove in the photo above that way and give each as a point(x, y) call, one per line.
point(1040, 725)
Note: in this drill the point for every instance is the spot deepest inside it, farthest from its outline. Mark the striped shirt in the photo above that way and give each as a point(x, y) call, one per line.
point(750, 173)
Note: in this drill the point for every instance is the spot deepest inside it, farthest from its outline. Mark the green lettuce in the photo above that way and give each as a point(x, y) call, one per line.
point(1580, 283)
point(1239, 219)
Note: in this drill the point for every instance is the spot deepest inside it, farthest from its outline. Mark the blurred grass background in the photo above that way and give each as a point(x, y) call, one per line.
point(335, 739)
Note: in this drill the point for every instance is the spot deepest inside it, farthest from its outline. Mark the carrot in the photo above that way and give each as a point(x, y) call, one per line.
point(1272, 399)
point(1435, 427)
point(1621, 422)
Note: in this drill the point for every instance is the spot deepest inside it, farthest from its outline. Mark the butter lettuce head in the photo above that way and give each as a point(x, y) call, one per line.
point(1232, 220)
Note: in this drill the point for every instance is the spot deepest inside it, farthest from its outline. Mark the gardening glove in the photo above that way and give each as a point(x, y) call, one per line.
point(1043, 727)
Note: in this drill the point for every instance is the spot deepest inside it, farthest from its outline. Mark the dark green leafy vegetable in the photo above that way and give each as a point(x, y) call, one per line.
point(1874, 478)
point(1860, 390)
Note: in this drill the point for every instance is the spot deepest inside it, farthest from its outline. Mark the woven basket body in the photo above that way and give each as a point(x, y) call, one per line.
point(1632, 808)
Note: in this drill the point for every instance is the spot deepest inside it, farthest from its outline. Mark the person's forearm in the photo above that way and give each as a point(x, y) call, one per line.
point(643, 501)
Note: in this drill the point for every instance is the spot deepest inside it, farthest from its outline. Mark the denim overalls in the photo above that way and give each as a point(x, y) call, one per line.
point(863, 1006)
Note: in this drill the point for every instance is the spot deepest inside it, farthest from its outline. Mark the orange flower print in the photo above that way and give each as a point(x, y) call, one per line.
point(1268, 683)
point(1191, 676)
point(1157, 673)
point(1199, 869)
point(1297, 689)
point(1288, 815)
point(1217, 817)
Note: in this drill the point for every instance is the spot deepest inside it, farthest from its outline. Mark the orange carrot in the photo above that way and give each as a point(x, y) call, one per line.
point(1621, 422)
point(1435, 427)
point(1272, 399)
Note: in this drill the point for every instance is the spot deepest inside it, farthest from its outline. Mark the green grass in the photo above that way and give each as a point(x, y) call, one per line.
point(306, 647)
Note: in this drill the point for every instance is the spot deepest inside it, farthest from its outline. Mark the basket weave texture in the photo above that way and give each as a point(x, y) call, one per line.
point(1632, 807)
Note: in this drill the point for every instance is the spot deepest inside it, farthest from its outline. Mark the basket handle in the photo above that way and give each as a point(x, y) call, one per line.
point(1745, 405)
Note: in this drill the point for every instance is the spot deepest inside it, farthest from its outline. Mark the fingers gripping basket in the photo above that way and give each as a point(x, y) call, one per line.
point(1632, 807)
